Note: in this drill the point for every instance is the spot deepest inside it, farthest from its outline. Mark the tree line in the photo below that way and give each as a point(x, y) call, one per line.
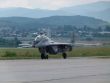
point(9, 43)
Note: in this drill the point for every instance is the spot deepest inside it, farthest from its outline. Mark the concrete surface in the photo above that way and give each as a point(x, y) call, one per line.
point(78, 70)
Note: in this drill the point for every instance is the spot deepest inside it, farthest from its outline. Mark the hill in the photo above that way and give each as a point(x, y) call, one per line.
point(99, 10)
point(30, 24)
point(77, 21)
point(24, 12)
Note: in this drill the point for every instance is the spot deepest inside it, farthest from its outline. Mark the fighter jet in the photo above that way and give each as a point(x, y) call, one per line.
point(47, 46)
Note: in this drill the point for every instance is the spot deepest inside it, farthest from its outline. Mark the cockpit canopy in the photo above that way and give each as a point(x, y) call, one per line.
point(41, 38)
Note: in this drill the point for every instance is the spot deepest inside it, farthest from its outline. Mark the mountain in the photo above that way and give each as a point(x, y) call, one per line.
point(91, 7)
point(32, 24)
point(18, 23)
point(104, 14)
point(77, 20)
point(99, 10)
point(24, 12)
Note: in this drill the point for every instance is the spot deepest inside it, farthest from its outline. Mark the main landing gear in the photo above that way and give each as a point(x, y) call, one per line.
point(44, 56)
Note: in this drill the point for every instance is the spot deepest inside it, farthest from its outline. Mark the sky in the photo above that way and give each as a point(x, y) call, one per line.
point(44, 4)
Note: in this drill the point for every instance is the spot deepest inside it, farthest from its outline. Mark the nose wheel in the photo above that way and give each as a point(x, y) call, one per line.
point(64, 55)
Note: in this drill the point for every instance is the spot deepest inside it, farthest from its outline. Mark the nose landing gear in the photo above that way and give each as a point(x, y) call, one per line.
point(64, 55)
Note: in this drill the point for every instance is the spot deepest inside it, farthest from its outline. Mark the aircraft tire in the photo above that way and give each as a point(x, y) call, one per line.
point(64, 55)
point(42, 56)
point(46, 57)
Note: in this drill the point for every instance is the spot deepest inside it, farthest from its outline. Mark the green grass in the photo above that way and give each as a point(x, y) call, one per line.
point(32, 53)
point(18, 53)
point(94, 51)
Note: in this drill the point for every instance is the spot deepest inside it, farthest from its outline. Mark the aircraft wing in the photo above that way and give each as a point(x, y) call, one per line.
point(53, 44)
point(60, 43)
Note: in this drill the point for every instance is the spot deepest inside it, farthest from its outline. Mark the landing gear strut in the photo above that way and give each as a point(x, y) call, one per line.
point(44, 56)
point(43, 53)
point(64, 55)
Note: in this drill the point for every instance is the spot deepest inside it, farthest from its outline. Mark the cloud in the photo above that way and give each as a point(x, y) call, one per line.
point(43, 4)
point(13, 3)
point(55, 4)
point(49, 4)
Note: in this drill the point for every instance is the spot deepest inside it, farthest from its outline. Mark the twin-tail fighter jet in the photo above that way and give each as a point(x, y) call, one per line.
point(47, 46)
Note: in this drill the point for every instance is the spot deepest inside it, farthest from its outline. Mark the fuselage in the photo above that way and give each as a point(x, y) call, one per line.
point(46, 45)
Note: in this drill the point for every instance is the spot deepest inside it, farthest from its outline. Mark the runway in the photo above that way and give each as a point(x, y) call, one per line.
point(76, 70)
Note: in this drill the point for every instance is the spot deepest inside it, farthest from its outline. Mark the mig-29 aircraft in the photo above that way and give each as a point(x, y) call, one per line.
point(47, 46)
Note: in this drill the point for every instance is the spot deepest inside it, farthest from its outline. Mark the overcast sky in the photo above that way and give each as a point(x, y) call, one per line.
point(44, 4)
